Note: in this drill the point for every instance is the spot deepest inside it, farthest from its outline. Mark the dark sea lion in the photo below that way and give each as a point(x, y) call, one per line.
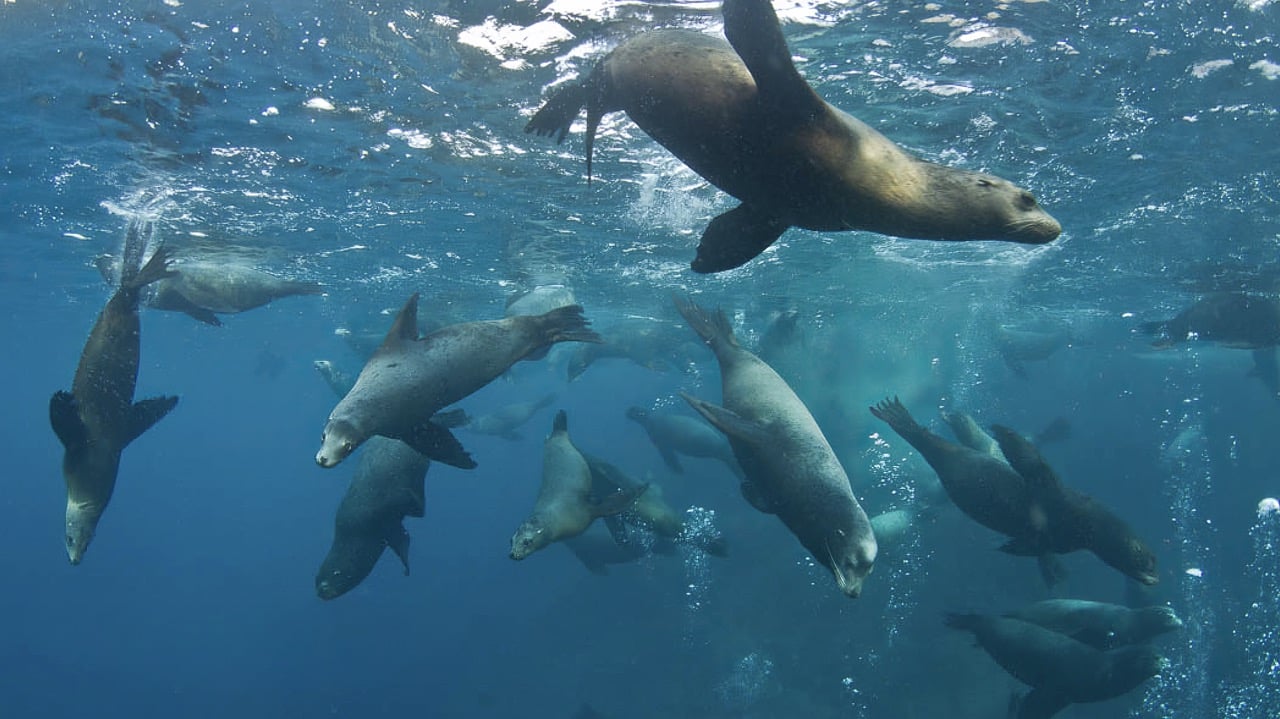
point(791, 470)
point(408, 379)
point(1075, 521)
point(98, 418)
point(1242, 321)
point(1099, 624)
point(564, 507)
point(741, 115)
point(674, 435)
point(203, 289)
point(1060, 670)
point(388, 486)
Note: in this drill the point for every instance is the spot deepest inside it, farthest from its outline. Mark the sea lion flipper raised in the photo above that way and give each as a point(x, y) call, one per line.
point(753, 29)
point(146, 413)
point(399, 543)
point(64, 416)
point(404, 329)
point(1026, 460)
point(735, 238)
point(438, 443)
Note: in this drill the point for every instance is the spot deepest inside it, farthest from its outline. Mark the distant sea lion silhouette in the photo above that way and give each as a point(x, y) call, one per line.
point(675, 434)
point(408, 379)
point(98, 418)
point(741, 115)
point(1241, 321)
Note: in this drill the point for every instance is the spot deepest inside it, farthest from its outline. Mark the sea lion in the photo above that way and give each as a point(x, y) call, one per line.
point(673, 435)
point(740, 115)
point(1099, 624)
point(1075, 521)
point(98, 418)
point(564, 507)
point(969, 433)
point(506, 421)
point(790, 468)
point(1237, 320)
point(408, 379)
point(203, 288)
point(1060, 670)
point(388, 486)
point(597, 550)
point(654, 345)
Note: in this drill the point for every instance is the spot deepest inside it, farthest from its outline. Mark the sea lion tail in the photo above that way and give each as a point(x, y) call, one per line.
point(714, 329)
point(567, 324)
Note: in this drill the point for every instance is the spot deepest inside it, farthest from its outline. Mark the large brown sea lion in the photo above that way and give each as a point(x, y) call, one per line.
point(408, 379)
point(791, 470)
point(741, 115)
point(98, 418)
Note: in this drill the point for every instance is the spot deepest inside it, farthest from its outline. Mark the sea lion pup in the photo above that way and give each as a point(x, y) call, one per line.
point(1075, 521)
point(98, 418)
point(740, 115)
point(506, 421)
point(1099, 624)
point(1059, 669)
point(791, 470)
point(204, 288)
point(388, 486)
point(673, 435)
point(1236, 320)
point(408, 379)
point(564, 507)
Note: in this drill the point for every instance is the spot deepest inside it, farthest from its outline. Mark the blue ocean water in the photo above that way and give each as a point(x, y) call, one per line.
point(377, 148)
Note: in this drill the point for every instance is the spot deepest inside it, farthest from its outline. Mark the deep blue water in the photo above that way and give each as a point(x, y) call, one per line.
point(378, 148)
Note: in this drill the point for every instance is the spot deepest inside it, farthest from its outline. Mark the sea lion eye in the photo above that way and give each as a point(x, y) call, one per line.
point(346, 447)
point(1026, 200)
point(984, 182)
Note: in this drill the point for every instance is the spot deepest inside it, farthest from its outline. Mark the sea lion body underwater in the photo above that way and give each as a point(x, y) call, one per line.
point(673, 435)
point(1060, 670)
point(407, 380)
point(1236, 320)
point(98, 418)
point(388, 486)
point(564, 507)
point(1099, 624)
point(791, 470)
point(740, 115)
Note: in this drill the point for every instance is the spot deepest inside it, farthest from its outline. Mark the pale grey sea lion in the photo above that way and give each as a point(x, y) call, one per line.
point(408, 379)
point(98, 418)
point(741, 115)
point(674, 435)
point(791, 470)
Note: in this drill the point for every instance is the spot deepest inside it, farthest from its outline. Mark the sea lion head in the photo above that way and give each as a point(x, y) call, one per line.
point(82, 521)
point(530, 536)
point(1134, 664)
point(1138, 561)
point(851, 559)
point(1158, 620)
point(977, 206)
point(339, 440)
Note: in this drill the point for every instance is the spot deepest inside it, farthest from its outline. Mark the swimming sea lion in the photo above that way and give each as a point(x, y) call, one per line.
point(1060, 670)
point(1074, 520)
point(649, 343)
point(790, 469)
point(597, 550)
point(202, 289)
point(408, 379)
point(1237, 320)
point(98, 418)
point(1099, 624)
point(507, 420)
point(564, 507)
point(740, 115)
point(674, 435)
point(388, 486)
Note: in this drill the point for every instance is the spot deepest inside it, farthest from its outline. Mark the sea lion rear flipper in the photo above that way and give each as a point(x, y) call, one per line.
point(617, 502)
point(436, 442)
point(729, 422)
point(147, 412)
point(756, 498)
point(64, 416)
point(451, 418)
point(399, 543)
point(1039, 704)
point(735, 238)
point(671, 459)
point(752, 28)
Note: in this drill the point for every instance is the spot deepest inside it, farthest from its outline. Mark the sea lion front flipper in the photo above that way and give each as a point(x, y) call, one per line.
point(436, 442)
point(64, 416)
point(1026, 460)
point(1052, 571)
point(618, 502)
point(756, 498)
point(617, 529)
point(451, 418)
point(404, 329)
point(671, 459)
point(1040, 704)
point(735, 238)
point(730, 422)
point(399, 543)
point(179, 302)
point(146, 413)
point(753, 29)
